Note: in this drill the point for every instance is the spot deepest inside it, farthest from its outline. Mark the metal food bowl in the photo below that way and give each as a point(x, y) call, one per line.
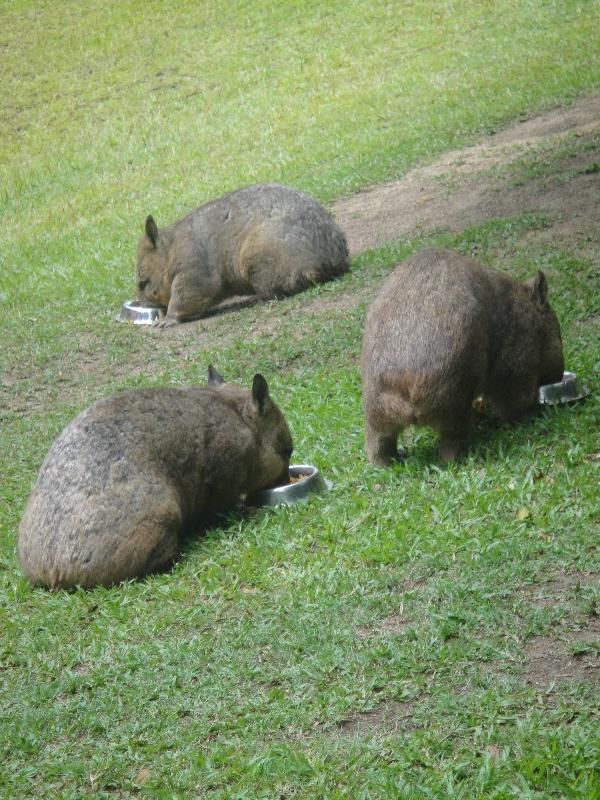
point(565, 391)
point(304, 481)
point(139, 314)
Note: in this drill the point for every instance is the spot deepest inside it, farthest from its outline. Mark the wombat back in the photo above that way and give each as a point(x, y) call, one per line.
point(129, 474)
point(444, 330)
point(266, 239)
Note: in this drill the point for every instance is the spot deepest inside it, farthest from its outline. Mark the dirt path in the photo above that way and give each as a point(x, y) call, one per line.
point(468, 186)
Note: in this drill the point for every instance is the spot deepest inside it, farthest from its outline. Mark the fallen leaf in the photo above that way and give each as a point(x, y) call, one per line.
point(142, 776)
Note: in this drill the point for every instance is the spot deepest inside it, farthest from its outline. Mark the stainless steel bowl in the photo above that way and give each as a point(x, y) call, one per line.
point(565, 391)
point(290, 493)
point(137, 313)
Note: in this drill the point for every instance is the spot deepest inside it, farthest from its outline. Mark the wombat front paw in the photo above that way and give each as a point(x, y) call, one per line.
point(165, 322)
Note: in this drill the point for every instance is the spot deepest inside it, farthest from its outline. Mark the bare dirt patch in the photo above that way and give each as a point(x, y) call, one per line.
point(390, 717)
point(558, 590)
point(573, 652)
point(464, 187)
point(395, 625)
point(572, 656)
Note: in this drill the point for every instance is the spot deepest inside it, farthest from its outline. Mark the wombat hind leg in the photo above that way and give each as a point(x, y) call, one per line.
point(382, 446)
point(164, 552)
point(455, 437)
point(276, 272)
point(149, 545)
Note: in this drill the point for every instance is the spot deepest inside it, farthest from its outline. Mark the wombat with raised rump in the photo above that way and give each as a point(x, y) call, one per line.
point(127, 476)
point(444, 331)
point(267, 240)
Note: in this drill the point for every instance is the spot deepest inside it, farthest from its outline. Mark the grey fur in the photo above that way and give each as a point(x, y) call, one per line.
point(442, 332)
point(266, 239)
point(129, 474)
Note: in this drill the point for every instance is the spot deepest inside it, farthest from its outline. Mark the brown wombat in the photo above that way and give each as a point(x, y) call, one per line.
point(267, 240)
point(444, 331)
point(134, 470)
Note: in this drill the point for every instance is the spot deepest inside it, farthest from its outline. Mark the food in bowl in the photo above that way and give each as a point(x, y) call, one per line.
point(304, 480)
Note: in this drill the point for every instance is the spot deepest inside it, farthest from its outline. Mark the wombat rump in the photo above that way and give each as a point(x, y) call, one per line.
point(129, 475)
point(267, 240)
point(444, 331)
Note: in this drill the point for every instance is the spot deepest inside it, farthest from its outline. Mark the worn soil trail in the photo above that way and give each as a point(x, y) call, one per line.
point(471, 185)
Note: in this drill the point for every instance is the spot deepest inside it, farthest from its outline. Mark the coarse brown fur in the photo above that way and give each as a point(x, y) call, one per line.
point(129, 474)
point(443, 331)
point(266, 239)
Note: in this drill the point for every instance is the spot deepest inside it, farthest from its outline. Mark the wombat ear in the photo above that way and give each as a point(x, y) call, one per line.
point(214, 377)
point(260, 394)
point(152, 230)
point(539, 289)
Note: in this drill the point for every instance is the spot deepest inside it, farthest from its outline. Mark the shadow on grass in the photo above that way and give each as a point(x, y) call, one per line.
point(491, 439)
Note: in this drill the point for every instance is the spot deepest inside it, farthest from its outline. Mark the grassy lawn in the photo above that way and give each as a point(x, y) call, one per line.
point(416, 632)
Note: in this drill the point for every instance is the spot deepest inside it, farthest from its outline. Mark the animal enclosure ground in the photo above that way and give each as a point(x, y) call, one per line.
point(459, 632)
point(415, 632)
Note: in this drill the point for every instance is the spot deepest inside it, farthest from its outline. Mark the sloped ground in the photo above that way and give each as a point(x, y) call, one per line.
point(466, 187)
point(548, 165)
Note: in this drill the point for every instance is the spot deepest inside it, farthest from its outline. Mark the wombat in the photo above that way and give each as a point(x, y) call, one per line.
point(443, 332)
point(134, 471)
point(267, 240)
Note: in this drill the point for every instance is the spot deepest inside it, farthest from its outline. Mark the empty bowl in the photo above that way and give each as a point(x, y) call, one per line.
point(139, 314)
point(565, 391)
point(304, 481)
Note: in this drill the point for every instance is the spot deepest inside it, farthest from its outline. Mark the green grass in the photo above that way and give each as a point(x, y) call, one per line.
point(245, 671)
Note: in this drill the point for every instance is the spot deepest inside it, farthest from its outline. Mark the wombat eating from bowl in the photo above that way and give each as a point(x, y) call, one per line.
point(267, 240)
point(444, 331)
point(127, 476)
